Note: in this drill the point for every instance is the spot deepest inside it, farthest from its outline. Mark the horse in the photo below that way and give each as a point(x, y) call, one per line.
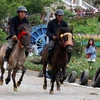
point(17, 57)
point(64, 44)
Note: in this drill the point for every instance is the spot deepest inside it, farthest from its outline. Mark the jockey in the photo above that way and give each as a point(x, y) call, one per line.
point(52, 28)
point(15, 22)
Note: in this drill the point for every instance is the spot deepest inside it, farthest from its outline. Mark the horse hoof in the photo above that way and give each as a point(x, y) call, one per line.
point(58, 88)
point(62, 84)
point(18, 85)
point(51, 92)
point(6, 81)
point(15, 89)
point(1, 82)
point(44, 87)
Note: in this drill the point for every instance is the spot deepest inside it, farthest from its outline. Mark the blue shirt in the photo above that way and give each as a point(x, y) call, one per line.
point(91, 50)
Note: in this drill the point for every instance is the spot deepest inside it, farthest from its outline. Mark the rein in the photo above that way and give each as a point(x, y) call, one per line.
point(19, 38)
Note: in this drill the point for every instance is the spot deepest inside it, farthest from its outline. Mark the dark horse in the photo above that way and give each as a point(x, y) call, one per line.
point(17, 57)
point(59, 58)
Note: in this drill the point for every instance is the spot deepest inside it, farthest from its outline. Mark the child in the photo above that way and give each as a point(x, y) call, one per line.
point(91, 50)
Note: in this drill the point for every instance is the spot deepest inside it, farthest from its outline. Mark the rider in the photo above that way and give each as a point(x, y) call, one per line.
point(52, 28)
point(15, 22)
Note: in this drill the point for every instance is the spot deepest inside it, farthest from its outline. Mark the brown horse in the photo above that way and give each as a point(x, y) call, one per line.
point(17, 57)
point(59, 58)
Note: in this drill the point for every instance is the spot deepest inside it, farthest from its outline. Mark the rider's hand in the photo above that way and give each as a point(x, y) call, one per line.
point(14, 37)
point(54, 37)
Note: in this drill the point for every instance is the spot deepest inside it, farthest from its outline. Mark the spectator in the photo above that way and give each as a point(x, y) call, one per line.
point(91, 50)
point(35, 48)
point(52, 16)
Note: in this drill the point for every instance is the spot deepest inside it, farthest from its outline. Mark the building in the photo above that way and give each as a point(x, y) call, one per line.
point(85, 4)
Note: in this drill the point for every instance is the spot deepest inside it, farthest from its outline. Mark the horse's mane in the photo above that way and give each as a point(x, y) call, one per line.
point(23, 27)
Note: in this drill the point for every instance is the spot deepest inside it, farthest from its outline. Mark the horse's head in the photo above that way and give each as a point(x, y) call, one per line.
point(64, 36)
point(24, 36)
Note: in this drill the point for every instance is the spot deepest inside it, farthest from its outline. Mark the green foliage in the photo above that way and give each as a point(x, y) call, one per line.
point(85, 25)
point(68, 14)
point(3, 8)
point(80, 64)
point(34, 6)
point(8, 7)
point(77, 49)
point(29, 65)
point(2, 37)
point(99, 19)
point(35, 20)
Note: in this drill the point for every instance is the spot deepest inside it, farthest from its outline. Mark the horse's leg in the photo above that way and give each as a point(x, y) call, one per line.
point(54, 73)
point(13, 78)
point(44, 73)
point(7, 80)
point(2, 73)
point(64, 75)
point(21, 78)
point(57, 82)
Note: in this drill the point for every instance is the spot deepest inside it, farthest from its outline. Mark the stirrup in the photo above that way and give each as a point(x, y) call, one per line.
point(5, 64)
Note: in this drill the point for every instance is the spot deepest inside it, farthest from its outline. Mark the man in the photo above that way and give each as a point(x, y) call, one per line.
point(14, 23)
point(52, 28)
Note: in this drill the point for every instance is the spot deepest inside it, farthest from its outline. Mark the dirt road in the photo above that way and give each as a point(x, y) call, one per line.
point(31, 89)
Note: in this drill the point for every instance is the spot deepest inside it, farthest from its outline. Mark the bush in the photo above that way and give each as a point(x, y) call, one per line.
point(35, 20)
point(2, 37)
point(77, 49)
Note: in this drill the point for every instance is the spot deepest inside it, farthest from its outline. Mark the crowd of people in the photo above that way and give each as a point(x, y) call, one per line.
point(85, 12)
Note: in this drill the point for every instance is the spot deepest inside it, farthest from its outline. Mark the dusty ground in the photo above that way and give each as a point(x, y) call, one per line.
point(31, 89)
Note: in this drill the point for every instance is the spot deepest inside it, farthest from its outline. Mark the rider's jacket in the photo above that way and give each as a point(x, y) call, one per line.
point(53, 26)
point(15, 22)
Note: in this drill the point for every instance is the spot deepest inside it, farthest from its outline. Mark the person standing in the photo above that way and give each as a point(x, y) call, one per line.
point(91, 50)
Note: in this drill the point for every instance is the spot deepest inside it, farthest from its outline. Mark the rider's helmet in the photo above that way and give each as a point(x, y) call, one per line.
point(21, 8)
point(59, 12)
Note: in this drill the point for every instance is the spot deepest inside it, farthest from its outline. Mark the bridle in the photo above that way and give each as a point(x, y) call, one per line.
point(69, 42)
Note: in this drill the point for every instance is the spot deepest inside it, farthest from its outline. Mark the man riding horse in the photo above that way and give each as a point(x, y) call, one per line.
point(52, 28)
point(15, 22)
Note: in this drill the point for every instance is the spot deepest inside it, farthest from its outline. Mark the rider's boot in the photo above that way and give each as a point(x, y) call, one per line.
point(26, 53)
point(6, 58)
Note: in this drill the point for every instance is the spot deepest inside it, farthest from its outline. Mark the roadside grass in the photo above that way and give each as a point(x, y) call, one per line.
point(77, 64)
point(80, 64)
point(30, 65)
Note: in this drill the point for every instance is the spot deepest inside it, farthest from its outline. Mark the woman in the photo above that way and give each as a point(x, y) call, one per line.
point(91, 50)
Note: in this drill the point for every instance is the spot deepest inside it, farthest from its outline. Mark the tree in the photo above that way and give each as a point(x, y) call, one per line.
point(3, 8)
point(8, 7)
